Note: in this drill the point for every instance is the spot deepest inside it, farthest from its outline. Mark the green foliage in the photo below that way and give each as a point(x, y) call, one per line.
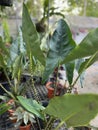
point(17, 55)
point(87, 7)
point(47, 3)
point(3, 108)
point(31, 37)
point(88, 62)
point(75, 110)
point(81, 51)
point(17, 46)
point(50, 10)
point(23, 116)
point(36, 10)
point(12, 62)
point(4, 53)
point(60, 45)
point(62, 50)
point(32, 106)
point(3, 48)
point(9, 56)
point(70, 71)
point(6, 31)
point(14, 58)
point(39, 69)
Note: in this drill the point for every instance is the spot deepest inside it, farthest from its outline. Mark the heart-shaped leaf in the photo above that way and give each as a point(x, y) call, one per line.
point(61, 43)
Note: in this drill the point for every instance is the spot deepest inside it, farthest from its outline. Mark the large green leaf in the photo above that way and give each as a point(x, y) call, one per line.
point(75, 110)
point(61, 43)
point(32, 106)
point(87, 47)
point(31, 37)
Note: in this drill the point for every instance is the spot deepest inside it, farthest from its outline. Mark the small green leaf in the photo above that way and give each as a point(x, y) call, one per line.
point(70, 71)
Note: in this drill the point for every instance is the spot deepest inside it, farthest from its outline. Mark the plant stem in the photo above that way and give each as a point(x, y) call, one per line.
point(33, 86)
point(49, 123)
point(38, 123)
point(60, 124)
point(56, 83)
point(7, 78)
point(71, 86)
point(85, 67)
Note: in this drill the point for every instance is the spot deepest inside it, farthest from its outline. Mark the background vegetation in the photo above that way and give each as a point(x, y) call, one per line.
point(37, 7)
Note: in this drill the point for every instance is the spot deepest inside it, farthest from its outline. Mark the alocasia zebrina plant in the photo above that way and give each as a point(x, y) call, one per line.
point(75, 110)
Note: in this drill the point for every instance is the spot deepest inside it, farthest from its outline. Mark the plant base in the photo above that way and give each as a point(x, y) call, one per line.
point(27, 127)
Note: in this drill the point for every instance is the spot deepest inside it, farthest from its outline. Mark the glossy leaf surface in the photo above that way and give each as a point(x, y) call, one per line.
point(61, 43)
